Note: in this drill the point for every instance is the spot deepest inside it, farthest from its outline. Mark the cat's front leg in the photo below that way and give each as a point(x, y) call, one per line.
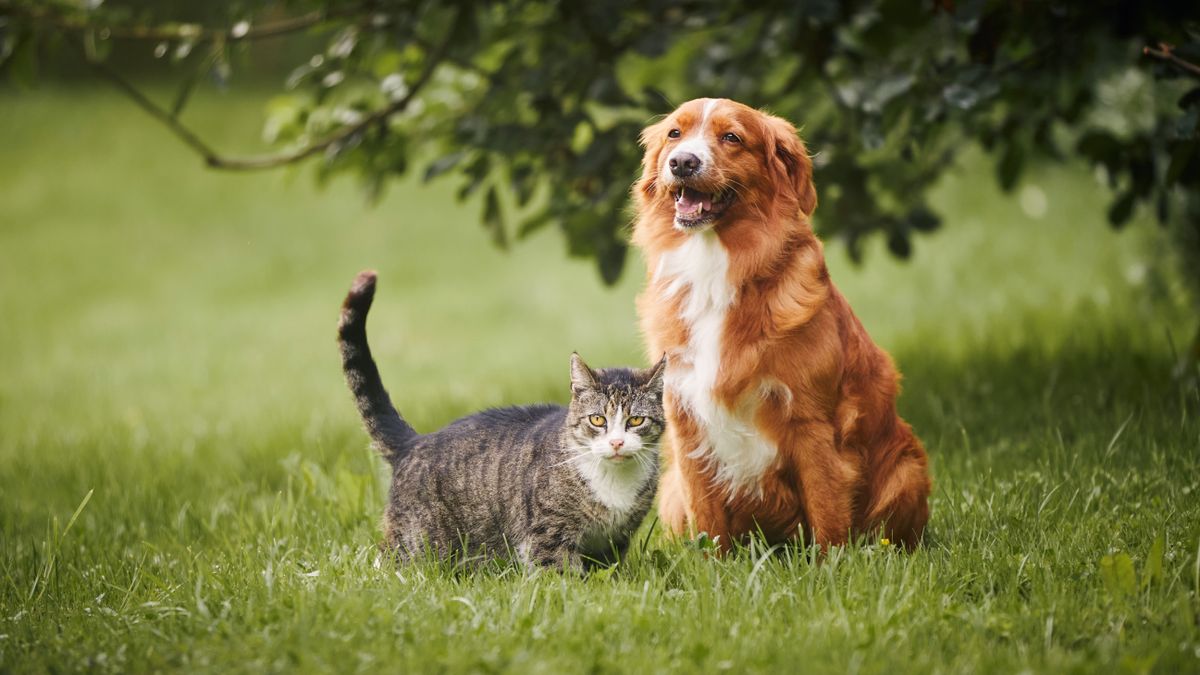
point(542, 552)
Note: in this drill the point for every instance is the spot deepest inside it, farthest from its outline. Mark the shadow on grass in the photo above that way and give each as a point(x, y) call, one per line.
point(1100, 393)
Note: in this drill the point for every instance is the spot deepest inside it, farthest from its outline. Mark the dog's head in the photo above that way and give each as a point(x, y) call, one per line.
point(716, 161)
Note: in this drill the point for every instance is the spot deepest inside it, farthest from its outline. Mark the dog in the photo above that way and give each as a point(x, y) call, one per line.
point(781, 410)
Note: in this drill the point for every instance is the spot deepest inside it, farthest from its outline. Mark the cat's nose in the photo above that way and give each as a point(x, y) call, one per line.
point(616, 443)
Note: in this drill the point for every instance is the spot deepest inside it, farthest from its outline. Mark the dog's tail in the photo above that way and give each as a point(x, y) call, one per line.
point(391, 435)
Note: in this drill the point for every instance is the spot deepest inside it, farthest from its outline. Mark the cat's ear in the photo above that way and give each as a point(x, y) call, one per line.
point(654, 376)
point(582, 377)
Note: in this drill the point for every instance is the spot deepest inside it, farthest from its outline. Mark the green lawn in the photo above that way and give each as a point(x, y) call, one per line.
point(167, 346)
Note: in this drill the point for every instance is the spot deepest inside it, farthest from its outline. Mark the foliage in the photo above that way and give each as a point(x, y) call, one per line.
point(538, 103)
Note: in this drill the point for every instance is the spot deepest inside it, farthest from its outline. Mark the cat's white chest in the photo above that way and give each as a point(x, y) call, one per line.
point(698, 271)
point(616, 486)
point(618, 489)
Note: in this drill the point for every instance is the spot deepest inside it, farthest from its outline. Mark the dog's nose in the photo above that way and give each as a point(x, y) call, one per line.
point(684, 164)
point(616, 443)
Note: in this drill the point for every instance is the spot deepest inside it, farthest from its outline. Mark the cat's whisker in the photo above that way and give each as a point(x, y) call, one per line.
point(642, 459)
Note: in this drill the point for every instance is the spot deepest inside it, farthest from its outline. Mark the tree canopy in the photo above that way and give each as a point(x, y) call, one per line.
point(538, 104)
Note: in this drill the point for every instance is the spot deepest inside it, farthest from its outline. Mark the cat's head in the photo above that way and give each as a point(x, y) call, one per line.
point(616, 414)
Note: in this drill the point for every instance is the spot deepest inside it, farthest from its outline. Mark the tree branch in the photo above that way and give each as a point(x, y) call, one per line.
point(217, 161)
point(190, 32)
point(1166, 52)
point(171, 122)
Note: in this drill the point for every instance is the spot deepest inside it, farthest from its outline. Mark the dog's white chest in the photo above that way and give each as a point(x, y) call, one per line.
point(699, 270)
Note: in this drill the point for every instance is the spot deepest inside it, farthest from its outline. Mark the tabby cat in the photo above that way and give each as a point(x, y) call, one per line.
point(553, 486)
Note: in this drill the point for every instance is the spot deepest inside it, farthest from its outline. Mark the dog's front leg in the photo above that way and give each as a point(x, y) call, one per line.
point(684, 516)
point(828, 479)
point(674, 494)
point(690, 501)
point(673, 509)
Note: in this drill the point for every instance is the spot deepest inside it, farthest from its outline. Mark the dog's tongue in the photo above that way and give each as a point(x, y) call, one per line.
point(692, 203)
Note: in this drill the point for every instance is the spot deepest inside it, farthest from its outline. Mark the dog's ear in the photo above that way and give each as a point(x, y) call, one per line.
point(653, 133)
point(789, 156)
point(651, 141)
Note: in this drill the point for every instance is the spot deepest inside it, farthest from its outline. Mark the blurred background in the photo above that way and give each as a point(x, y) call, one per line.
point(971, 173)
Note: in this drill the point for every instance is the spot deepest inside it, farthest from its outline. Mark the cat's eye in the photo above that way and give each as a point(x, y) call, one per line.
point(674, 133)
point(635, 421)
point(598, 420)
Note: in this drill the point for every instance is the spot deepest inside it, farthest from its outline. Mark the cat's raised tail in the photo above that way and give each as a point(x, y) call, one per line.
point(391, 434)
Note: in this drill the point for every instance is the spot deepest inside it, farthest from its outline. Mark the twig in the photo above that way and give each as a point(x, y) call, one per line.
point(185, 134)
point(1166, 52)
point(217, 161)
point(199, 35)
point(190, 32)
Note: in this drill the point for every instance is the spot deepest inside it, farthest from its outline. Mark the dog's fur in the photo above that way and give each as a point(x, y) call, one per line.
point(782, 410)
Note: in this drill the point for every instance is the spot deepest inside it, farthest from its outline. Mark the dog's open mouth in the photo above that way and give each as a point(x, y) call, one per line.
point(694, 208)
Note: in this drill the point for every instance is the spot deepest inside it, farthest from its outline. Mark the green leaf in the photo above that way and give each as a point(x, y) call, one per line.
point(182, 50)
point(1116, 572)
point(611, 260)
point(899, 244)
point(890, 87)
point(1101, 147)
point(475, 173)
point(1191, 98)
point(523, 183)
point(443, 164)
point(1163, 207)
point(284, 119)
point(1008, 169)
point(373, 187)
point(387, 62)
point(534, 223)
point(922, 219)
point(1188, 123)
point(1122, 209)
point(493, 219)
point(1180, 157)
point(1153, 573)
point(961, 96)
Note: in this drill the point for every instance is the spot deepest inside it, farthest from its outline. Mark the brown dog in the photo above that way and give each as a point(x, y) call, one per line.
point(782, 410)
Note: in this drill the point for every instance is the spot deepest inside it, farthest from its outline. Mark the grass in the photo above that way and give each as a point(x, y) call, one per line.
point(185, 484)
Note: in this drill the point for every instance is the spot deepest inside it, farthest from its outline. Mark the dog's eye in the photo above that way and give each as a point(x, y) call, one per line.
point(674, 133)
point(731, 138)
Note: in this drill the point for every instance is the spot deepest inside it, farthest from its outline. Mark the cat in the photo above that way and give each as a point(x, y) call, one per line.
point(549, 485)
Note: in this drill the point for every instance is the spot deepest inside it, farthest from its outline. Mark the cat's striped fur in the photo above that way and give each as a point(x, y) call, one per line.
point(542, 482)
